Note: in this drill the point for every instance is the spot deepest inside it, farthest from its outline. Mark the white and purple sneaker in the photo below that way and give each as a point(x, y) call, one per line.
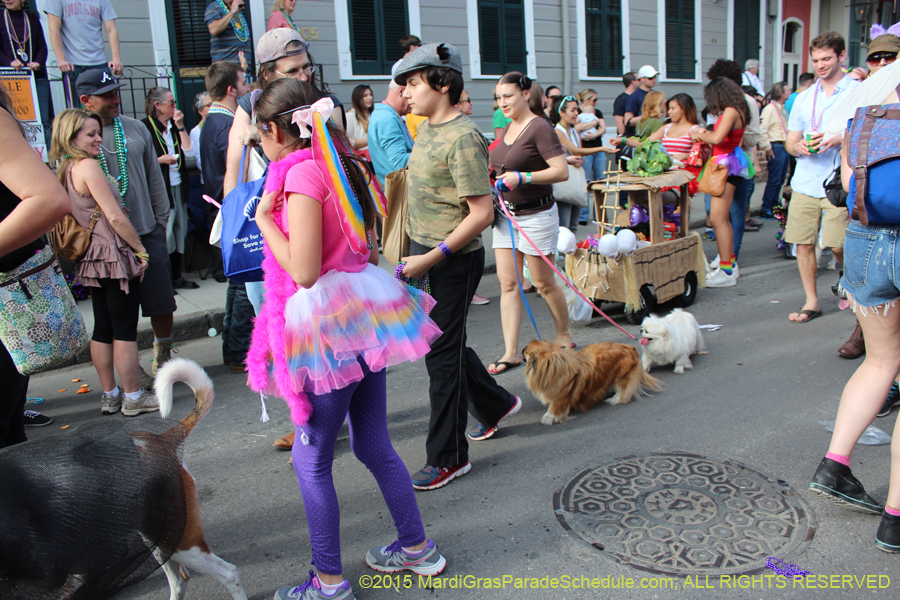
point(389, 559)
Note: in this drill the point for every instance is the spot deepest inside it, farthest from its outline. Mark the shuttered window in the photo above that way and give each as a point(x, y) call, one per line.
point(603, 20)
point(188, 33)
point(376, 27)
point(501, 35)
point(746, 30)
point(680, 34)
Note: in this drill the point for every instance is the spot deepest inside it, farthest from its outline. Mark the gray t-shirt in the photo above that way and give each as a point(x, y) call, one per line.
point(82, 28)
point(146, 197)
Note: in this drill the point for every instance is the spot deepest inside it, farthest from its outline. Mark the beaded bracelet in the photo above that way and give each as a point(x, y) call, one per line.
point(445, 249)
point(413, 282)
point(143, 255)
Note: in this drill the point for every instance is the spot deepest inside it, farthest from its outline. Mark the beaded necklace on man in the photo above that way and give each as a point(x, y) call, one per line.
point(14, 39)
point(240, 25)
point(216, 108)
point(121, 182)
point(164, 144)
point(289, 19)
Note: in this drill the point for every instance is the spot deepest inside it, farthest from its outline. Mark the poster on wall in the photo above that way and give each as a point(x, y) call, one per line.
point(21, 89)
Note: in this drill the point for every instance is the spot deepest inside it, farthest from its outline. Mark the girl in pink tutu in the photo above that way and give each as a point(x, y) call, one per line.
point(331, 324)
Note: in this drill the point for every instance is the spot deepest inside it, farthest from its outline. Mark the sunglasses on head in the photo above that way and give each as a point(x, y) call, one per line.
point(876, 58)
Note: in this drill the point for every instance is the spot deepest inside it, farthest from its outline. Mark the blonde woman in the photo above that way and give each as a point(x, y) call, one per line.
point(281, 15)
point(114, 263)
point(653, 113)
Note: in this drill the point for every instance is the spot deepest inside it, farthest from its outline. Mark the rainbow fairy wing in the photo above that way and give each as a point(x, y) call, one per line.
point(329, 163)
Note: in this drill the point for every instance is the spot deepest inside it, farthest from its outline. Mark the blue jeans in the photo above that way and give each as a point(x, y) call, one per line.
point(237, 325)
point(69, 79)
point(871, 272)
point(778, 167)
point(594, 168)
point(46, 106)
point(739, 212)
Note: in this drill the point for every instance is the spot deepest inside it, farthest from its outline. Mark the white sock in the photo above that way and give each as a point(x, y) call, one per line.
point(330, 590)
point(133, 395)
point(114, 393)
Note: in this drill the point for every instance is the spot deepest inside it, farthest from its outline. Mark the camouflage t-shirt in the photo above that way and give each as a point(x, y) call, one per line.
point(448, 163)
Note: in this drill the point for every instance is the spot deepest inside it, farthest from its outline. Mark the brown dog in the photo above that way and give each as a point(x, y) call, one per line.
point(566, 380)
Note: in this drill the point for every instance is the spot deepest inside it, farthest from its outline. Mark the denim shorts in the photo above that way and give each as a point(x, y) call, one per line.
point(872, 263)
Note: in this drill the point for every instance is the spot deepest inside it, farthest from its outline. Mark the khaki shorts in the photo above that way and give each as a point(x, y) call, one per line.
point(804, 214)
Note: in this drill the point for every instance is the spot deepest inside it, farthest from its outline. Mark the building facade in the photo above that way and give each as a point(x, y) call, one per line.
point(573, 44)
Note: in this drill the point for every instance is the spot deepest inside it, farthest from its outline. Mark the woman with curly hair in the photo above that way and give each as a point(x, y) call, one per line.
point(725, 100)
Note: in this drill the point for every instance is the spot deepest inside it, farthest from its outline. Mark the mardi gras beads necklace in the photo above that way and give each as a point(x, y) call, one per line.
point(239, 25)
point(164, 144)
point(121, 182)
point(289, 19)
point(15, 41)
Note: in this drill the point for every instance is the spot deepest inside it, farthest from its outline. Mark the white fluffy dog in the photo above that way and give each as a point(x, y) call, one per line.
point(671, 339)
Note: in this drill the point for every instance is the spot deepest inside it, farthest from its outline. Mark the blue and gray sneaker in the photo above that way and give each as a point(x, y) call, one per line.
point(312, 590)
point(389, 559)
point(892, 400)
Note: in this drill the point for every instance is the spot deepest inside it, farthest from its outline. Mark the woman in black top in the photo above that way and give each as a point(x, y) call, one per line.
point(31, 203)
point(170, 140)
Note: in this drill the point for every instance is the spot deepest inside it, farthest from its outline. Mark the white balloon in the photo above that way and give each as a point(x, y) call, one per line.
point(566, 242)
point(626, 241)
point(608, 246)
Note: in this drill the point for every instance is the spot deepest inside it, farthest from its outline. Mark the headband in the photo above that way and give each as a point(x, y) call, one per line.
point(566, 100)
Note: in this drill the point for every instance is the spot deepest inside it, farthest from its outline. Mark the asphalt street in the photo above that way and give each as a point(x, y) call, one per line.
point(756, 399)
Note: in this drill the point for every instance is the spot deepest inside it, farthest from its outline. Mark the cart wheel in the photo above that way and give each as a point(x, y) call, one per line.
point(648, 303)
point(690, 289)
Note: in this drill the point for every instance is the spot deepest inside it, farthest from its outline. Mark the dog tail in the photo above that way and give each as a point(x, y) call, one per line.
point(189, 372)
point(650, 382)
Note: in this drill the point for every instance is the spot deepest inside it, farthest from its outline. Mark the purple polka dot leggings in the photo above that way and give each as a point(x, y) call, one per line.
point(365, 405)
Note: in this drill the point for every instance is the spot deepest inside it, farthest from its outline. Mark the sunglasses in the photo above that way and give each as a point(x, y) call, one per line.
point(887, 57)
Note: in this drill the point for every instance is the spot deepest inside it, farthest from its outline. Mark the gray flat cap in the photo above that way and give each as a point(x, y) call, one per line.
point(429, 55)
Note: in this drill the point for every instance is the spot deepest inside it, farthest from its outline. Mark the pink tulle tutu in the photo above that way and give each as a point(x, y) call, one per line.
point(348, 315)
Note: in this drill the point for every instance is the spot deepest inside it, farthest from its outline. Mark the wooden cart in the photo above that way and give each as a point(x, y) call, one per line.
point(662, 271)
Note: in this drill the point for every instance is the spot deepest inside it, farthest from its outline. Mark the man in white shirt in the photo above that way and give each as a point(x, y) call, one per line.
point(751, 76)
point(816, 160)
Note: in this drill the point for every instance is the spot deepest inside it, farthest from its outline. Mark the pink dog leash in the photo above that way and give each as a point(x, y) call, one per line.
point(552, 266)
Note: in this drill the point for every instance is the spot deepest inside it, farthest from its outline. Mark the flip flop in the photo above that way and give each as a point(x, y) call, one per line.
point(507, 366)
point(810, 315)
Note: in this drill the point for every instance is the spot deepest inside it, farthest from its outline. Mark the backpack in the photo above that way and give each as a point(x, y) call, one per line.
point(874, 155)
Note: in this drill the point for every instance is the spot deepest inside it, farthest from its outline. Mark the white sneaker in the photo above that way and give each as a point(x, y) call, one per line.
point(719, 278)
point(734, 268)
point(145, 403)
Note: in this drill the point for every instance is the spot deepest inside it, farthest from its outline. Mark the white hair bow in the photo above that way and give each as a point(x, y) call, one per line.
point(303, 116)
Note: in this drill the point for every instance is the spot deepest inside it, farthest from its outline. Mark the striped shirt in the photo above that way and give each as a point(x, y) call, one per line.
point(679, 145)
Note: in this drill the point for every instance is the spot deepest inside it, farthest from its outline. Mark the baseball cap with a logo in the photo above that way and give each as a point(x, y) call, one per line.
point(648, 72)
point(96, 82)
point(279, 43)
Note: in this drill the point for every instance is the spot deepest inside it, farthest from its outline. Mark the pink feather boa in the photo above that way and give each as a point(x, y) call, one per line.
point(267, 342)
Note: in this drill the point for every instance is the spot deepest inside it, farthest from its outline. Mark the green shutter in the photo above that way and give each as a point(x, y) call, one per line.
point(376, 27)
point(746, 30)
point(680, 55)
point(501, 35)
point(603, 20)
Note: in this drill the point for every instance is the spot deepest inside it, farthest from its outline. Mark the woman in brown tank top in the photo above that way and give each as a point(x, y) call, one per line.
point(113, 265)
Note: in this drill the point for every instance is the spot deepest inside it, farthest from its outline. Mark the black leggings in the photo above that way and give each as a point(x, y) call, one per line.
point(12, 401)
point(115, 312)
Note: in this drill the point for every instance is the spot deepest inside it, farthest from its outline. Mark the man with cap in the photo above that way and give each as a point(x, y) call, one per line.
point(647, 76)
point(751, 76)
point(450, 204)
point(390, 142)
point(128, 157)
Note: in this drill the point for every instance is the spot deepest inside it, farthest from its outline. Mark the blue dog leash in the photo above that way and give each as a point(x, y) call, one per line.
point(501, 185)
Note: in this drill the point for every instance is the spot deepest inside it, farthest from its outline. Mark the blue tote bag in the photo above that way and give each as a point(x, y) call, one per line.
point(242, 242)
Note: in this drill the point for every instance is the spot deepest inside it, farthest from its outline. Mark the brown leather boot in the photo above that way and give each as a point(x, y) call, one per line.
point(855, 346)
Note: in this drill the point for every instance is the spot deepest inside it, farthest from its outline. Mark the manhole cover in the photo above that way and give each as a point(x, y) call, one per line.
point(683, 514)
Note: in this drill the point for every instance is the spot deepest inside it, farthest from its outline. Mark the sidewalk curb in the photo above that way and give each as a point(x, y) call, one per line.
point(190, 327)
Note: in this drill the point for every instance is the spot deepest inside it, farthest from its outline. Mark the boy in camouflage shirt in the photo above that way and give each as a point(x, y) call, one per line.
point(450, 205)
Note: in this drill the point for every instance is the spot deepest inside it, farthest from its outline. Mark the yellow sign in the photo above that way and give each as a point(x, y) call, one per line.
point(19, 88)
